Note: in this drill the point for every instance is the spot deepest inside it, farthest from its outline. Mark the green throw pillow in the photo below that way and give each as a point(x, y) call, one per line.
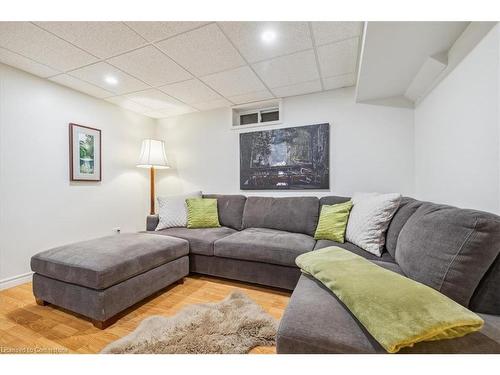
point(202, 213)
point(333, 222)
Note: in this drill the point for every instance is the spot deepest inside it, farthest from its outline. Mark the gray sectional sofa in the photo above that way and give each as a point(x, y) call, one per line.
point(257, 242)
point(455, 251)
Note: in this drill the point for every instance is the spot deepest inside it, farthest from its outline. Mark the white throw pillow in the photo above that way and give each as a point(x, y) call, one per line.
point(369, 219)
point(172, 210)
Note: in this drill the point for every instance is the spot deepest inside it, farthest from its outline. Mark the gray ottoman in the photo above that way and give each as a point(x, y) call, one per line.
point(102, 277)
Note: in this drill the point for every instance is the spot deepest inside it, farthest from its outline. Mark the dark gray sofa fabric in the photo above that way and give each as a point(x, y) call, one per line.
point(252, 272)
point(104, 304)
point(407, 207)
point(486, 298)
point(201, 240)
point(315, 321)
point(448, 248)
point(389, 266)
point(106, 261)
point(386, 257)
point(230, 208)
point(291, 214)
point(332, 199)
point(264, 245)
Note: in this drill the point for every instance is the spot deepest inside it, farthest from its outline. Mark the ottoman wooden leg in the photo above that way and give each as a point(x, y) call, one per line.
point(40, 302)
point(180, 281)
point(103, 324)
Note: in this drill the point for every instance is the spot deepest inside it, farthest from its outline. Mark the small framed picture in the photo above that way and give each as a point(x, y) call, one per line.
point(84, 153)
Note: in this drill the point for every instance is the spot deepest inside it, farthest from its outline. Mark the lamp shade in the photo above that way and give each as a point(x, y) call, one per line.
point(153, 154)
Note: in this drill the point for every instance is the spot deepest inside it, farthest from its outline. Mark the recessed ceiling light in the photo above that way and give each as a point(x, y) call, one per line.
point(110, 80)
point(268, 36)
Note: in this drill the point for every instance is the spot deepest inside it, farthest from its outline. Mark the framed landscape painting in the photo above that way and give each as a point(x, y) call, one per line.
point(291, 158)
point(84, 153)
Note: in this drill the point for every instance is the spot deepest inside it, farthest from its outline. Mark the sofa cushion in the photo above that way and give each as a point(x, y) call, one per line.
point(264, 245)
point(230, 209)
point(315, 321)
point(103, 262)
point(332, 222)
point(486, 298)
point(332, 199)
point(172, 210)
point(407, 207)
point(201, 240)
point(386, 257)
point(389, 266)
point(448, 248)
point(369, 219)
point(202, 213)
point(292, 214)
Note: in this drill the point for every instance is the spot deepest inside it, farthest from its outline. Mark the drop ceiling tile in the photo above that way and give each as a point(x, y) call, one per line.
point(212, 104)
point(31, 41)
point(191, 91)
point(102, 39)
point(79, 85)
point(154, 31)
point(251, 97)
point(298, 89)
point(329, 32)
point(234, 82)
point(96, 74)
point(154, 114)
point(23, 63)
point(247, 37)
point(344, 80)
point(338, 58)
point(288, 70)
point(151, 66)
point(154, 99)
point(170, 112)
point(202, 51)
point(126, 103)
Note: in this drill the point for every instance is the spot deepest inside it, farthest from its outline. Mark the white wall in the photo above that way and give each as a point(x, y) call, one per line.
point(39, 207)
point(371, 147)
point(457, 133)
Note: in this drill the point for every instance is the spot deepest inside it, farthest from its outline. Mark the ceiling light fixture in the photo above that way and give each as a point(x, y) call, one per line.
point(110, 80)
point(268, 36)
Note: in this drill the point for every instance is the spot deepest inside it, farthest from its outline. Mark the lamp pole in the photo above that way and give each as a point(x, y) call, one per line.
point(152, 157)
point(152, 180)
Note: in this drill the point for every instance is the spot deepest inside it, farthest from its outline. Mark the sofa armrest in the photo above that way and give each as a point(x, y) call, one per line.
point(152, 222)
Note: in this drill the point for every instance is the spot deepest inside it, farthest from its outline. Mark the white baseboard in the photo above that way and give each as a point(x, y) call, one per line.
point(15, 280)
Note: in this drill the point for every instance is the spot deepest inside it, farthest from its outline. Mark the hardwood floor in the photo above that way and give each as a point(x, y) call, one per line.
point(26, 327)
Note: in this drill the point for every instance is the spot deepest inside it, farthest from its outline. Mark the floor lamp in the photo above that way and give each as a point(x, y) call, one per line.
point(153, 157)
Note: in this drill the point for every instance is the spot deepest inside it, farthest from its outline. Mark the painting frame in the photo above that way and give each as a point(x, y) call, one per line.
point(285, 158)
point(87, 141)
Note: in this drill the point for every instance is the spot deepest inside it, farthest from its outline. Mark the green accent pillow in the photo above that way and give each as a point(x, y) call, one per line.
point(202, 213)
point(332, 222)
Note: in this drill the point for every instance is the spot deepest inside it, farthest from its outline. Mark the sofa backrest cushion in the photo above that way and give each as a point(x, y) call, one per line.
point(332, 199)
point(230, 209)
point(407, 208)
point(486, 298)
point(448, 248)
point(292, 214)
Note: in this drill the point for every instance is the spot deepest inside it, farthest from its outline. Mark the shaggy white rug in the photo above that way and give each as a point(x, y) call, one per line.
point(235, 325)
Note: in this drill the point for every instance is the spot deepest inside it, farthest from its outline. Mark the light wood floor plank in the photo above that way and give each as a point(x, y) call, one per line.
point(27, 326)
